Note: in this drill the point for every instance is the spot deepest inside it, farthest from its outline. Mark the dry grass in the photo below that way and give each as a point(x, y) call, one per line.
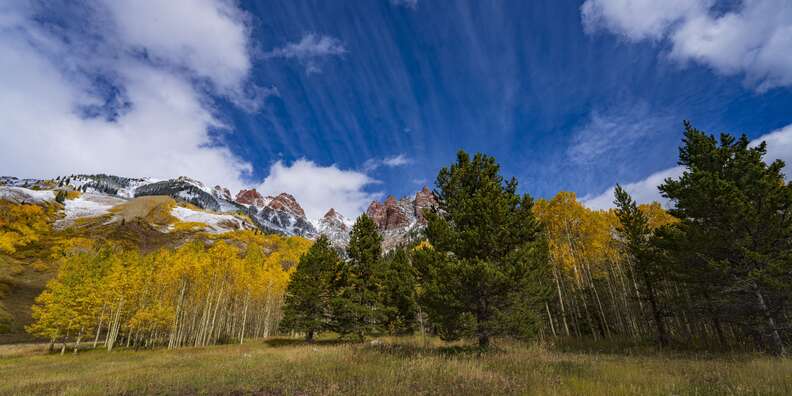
point(154, 209)
point(404, 366)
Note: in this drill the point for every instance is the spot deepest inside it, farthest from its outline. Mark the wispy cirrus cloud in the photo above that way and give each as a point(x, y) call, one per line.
point(411, 4)
point(391, 162)
point(309, 50)
point(396, 160)
point(609, 133)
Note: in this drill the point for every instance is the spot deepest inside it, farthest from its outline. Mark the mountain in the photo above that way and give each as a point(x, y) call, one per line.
point(336, 227)
point(399, 220)
point(282, 214)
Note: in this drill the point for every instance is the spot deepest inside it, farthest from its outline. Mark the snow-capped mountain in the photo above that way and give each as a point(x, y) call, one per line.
point(282, 214)
point(399, 220)
point(336, 227)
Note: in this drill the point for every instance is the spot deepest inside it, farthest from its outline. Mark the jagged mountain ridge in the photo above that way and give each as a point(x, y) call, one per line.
point(282, 214)
point(398, 220)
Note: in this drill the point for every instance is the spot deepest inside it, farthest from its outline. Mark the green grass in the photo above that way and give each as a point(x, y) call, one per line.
point(401, 366)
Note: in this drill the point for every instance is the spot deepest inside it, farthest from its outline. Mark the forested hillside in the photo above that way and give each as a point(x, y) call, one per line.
point(136, 275)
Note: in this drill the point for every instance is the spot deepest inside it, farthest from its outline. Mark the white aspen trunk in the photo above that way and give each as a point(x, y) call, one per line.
point(244, 319)
point(561, 300)
point(549, 317)
point(77, 343)
point(99, 326)
point(210, 337)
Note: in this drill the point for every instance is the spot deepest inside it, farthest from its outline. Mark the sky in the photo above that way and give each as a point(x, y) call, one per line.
point(343, 102)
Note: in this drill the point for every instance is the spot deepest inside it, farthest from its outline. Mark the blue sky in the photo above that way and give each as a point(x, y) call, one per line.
point(343, 102)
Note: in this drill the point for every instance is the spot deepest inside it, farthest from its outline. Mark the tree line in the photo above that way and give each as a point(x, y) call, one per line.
point(223, 289)
point(714, 271)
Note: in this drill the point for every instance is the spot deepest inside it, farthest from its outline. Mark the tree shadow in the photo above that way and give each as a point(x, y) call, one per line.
point(409, 350)
point(287, 342)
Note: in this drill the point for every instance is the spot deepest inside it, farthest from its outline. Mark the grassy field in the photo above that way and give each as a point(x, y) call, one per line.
point(403, 366)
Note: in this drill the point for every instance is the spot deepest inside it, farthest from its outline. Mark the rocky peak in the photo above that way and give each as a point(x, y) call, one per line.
point(286, 203)
point(331, 214)
point(376, 212)
point(397, 219)
point(250, 197)
point(424, 200)
point(390, 214)
point(222, 193)
point(334, 219)
point(189, 180)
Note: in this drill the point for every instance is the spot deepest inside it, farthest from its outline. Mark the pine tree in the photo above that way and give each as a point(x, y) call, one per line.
point(636, 233)
point(309, 291)
point(736, 217)
point(486, 270)
point(357, 304)
point(399, 297)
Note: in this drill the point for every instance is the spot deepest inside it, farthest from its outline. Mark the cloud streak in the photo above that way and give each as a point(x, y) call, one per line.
point(391, 162)
point(308, 50)
point(411, 4)
point(610, 132)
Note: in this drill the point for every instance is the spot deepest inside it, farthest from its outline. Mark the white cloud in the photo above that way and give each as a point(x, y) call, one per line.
point(411, 4)
point(779, 146)
point(606, 132)
point(319, 188)
point(642, 191)
point(156, 124)
point(308, 49)
point(753, 39)
point(396, 160)
point(638, 19)
point(391, 162)
point(209, 37)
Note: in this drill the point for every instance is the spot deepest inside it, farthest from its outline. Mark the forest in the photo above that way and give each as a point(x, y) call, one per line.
point(712, 271)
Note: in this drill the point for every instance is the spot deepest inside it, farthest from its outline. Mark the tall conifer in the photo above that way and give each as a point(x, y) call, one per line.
point(357, 305)
point(736, 215)
point(485, 272)
point(308, 294)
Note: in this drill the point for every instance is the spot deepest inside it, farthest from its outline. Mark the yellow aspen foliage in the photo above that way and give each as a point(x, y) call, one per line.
point(21, 225)
point(656, 215)
point(223, 289)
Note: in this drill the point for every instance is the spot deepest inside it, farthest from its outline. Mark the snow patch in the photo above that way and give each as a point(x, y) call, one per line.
point(215, 223)
point(20, 195)
point(87, 205)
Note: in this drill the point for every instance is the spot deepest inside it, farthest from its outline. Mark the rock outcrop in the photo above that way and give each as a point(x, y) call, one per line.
point(250, 197)
point(281, 214)
point(399, 219)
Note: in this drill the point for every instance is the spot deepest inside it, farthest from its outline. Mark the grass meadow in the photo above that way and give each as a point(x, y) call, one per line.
point(390, 366)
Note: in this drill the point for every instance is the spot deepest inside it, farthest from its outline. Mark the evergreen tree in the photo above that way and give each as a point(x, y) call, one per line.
point(398, 297)
point(635, 233)
point(736, 215)
point(486, 266)
point(357, 305)
point(309, 291)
